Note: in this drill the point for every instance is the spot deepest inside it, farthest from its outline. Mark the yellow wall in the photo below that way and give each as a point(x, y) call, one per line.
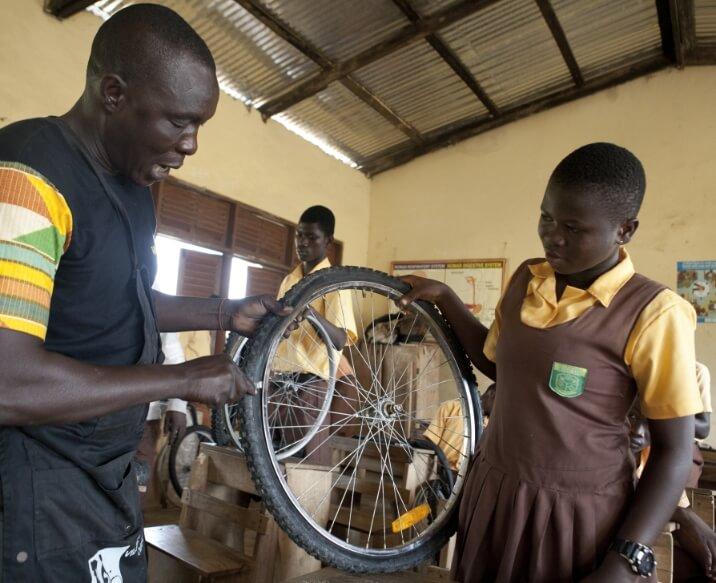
point(42, 62)
point(480, 198)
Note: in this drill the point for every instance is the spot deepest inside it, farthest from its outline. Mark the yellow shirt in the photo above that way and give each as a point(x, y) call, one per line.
point(303, 351)
point(446, 430)
point(660, 349)
point(196, 343)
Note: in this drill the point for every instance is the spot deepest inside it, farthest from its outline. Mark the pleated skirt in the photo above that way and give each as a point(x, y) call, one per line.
point(512, 530)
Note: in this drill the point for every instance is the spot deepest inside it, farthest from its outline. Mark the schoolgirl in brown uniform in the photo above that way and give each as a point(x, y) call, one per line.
point(578, 338)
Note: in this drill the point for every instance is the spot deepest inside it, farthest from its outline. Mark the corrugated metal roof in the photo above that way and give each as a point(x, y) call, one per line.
point(505, 45)
point(605, 34)
point(705, 16)
point(344, 121)
point(340, 28)
point(251, 59)
point(511, 52)
point(419, 86)
point(428, 7)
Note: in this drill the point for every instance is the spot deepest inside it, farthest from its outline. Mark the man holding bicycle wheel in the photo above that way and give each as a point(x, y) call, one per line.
point(79, 323)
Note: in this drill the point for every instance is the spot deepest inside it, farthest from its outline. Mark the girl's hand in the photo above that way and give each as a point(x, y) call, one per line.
point(422, 289)
point(614, 569)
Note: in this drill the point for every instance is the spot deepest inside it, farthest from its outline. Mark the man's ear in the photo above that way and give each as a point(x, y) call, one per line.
point(113, 93)
point(626, 230)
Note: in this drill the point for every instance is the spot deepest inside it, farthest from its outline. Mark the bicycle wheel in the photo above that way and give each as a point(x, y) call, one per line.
point(360, 512)
point(291, 424)
point(182, 454)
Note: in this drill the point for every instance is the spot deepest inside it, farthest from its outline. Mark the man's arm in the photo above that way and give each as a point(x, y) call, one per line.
point(40, 387)
point(181, 313)
point(468, 329)
point(338, 336)
point(657, 493)
point(702, 426)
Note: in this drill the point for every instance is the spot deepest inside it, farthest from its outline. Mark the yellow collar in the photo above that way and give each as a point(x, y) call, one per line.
point(297, 272)
point(603, 289)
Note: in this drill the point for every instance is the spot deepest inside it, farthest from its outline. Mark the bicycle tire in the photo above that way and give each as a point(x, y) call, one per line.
point(264, 469)
point(204, 435)
point(234, 346)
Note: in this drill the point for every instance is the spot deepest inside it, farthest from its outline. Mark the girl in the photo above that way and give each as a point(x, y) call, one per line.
point(578, 337)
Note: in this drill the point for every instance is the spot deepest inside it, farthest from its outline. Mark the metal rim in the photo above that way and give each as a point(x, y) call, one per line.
point(468, 425)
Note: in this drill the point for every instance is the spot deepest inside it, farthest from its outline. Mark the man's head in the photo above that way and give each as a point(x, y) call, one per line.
point(151, 81)
point(314, 233)
point(590, 207)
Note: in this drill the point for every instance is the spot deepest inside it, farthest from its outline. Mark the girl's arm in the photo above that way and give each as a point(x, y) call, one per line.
point(468, 329)
point(657, 493)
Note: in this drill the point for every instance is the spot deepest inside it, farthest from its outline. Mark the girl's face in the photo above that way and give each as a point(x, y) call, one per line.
point(576, 233)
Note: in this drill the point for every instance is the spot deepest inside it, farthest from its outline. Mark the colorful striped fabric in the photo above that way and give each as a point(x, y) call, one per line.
point(35, 230)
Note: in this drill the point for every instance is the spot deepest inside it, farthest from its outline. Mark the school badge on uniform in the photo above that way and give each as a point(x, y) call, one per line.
point(567, 380)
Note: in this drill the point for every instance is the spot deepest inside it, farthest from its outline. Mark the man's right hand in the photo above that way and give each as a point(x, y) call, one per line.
point(215, 380)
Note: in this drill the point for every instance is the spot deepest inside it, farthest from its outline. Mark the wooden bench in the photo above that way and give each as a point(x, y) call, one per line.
point(356, 493)
point(202, 558)
point(225, 534)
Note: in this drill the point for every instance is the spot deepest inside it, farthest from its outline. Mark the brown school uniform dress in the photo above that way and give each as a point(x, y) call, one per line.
point(553, 478)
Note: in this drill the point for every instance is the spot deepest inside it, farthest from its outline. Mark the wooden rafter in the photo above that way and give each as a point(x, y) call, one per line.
point(676, 23)
point(462, 130)
point(550, 17)
point(66, 8)
point(322, 60)
point(449, 56)
point(408, 34)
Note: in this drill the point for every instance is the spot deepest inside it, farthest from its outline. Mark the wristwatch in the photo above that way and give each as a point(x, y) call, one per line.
point(640, 557)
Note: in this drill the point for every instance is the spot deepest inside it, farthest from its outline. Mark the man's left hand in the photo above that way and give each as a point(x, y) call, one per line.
point(248, 313)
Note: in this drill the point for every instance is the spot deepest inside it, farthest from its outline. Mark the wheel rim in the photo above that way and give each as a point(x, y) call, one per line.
point(186, 452)
point(378, 413)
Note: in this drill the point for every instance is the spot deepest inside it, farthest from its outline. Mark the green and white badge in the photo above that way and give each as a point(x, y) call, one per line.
point(567, 380)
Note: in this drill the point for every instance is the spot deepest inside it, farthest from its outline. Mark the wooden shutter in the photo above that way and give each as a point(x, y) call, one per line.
point(335, 253)
point(199, 274)
point(192, 216)
point(263, 281)
point(259, 237)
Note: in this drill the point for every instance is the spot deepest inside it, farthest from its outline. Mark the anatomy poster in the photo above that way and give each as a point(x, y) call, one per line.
point(478, 282)
point(696, 283)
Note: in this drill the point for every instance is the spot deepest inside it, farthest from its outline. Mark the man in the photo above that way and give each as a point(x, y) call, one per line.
point(304, 356)
point(79, 324)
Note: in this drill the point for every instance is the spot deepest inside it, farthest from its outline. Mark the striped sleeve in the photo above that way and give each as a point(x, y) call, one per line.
point(35, 230)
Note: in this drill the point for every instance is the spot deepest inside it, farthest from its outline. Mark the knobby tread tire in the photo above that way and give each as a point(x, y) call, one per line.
point(258, 456)
point(219, 429)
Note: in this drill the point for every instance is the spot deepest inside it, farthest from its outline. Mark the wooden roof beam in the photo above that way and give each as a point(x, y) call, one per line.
point(459, 131)
point(408, 34)
point(678, 35)
point(550, 17)
point(449, 56)
point(66, 8)
point(317, 56)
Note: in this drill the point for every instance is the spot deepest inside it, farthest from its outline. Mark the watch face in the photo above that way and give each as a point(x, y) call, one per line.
point(646, 564)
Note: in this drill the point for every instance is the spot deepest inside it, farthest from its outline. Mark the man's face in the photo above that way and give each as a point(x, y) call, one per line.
point(311, 242)
point(157, 126)
point(575, 232)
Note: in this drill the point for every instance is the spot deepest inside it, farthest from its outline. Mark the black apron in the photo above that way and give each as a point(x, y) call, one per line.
point(70, 497)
